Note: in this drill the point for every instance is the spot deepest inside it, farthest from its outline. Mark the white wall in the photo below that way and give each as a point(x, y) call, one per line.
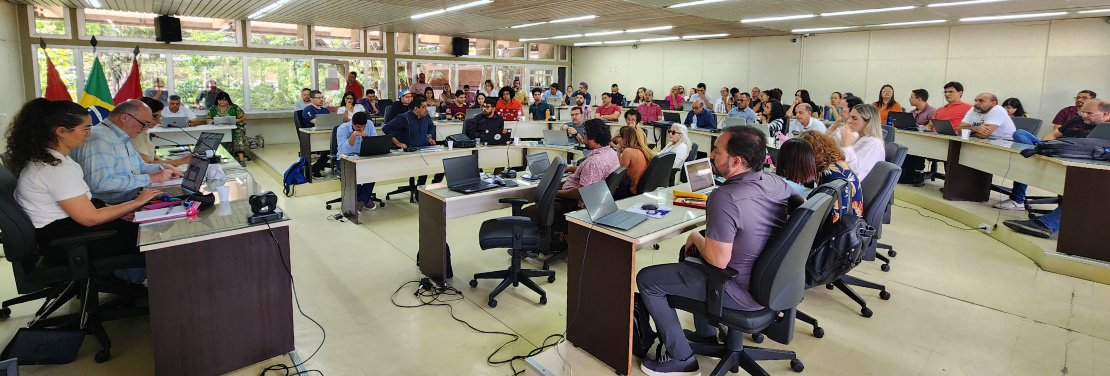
point(1042, 63)
point(11, 69)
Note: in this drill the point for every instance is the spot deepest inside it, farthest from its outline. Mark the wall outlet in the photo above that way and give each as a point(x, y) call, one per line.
point(985, 227)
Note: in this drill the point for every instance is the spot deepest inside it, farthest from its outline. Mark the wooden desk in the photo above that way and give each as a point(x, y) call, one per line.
point(601, 276)
point(187, 135)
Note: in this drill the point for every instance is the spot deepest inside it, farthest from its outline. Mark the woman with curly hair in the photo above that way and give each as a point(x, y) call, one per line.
point(829, 159)
point(225, 107)
point(508, 106)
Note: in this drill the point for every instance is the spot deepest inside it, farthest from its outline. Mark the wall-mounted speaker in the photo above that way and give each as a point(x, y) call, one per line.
point(167, 29)
point(460, 46)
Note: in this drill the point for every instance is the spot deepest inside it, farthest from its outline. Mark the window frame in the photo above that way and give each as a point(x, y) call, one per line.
point(366, 39)
point(301, 29)
point(417, 44)
point(493, 50)
point(361, 40)
point(412, 43)
point(34, 32)
point(83, 34)
point(555, 52)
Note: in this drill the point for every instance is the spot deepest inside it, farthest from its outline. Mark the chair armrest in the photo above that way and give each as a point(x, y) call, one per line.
point(73, 241)
point(517, 204)
point(515, 220)
point(77, 251)
point(714, 285)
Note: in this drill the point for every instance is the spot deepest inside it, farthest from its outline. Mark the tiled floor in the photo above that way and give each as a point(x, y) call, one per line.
point(963, 304)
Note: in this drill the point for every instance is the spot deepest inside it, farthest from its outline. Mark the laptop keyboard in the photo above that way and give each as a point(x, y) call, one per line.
point(617, 217)
point(469, 186)
point(174, 191)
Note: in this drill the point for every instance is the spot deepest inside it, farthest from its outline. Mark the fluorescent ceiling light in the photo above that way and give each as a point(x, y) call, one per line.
point(778, 18)
point(532, 39)
point(587, 44)
point(1012, 16)
point(567, 36)
point(659, 39)
point(1095, 11)
point(699, 2)
point(648, 29)
point(704, 36)
point(95, 4)
point(428, 14)
point(527, 25)
point(969, 2)
point(254, 16)
point(604, 33)
point(822, 29)
point(911, 23)
point(572, 19)
point(468, 5)
point(620, 41)
point(876, 10)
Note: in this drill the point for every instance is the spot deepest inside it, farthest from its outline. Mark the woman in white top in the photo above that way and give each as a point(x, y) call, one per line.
point(862, 152)
point(488, 89)
point(678, 142)
point(348, 107)
point(51, 189)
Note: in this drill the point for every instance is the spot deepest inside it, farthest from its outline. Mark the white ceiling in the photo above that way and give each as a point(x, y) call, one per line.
point(493, 20)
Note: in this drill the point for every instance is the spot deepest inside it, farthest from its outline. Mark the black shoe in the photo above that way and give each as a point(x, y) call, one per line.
point(318, 174)
point(1035, 228)
point(693, 337)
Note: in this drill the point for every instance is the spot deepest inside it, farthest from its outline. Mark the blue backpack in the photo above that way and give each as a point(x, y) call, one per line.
point(293, 176)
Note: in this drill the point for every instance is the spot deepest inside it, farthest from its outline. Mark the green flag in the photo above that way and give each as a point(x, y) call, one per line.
point(96, 89)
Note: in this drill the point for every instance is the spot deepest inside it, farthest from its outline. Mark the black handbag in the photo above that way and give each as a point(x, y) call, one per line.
point(838, 247)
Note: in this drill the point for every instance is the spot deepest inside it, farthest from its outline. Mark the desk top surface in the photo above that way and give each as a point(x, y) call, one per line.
point(680, 218)
point(396, 153)
point(199, 128)
point(1012, 147)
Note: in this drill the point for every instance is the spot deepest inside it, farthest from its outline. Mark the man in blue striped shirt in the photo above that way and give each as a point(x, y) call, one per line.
point(113, 169)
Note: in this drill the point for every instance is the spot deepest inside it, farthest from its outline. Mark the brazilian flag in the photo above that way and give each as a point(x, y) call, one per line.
point(96, 89)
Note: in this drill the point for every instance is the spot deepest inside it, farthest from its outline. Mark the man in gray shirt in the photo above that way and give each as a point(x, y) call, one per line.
point(741, 215)
point(207, 98)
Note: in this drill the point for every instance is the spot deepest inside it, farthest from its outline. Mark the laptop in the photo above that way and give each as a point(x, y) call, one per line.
point(472, 112)
point(661, 102)
point(462, 174)
point(223, 120)
point(175, 122)
point(328, 120)
point(190, 183)
point(497, 138)
point(688, 105)
point(603, 209)
point(556, 137)
point(903, 120)
point(207, 141)
point(375, 145)
point(732, 122)
point(537, 165)
point(699, 173)
point(672, 117)
point(944, 127)
point(553, 101)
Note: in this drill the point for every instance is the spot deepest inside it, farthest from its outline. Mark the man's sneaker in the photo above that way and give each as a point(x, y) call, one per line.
point(359, 206)
point(318, 174)
point(1009, 205)
point(665, 366)
point(370, 206)
point(693, 337)
point(1034, 227)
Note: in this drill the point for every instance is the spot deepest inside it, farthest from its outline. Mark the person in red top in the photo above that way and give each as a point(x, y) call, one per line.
point(955, 110)
point(1069, 112)
point(457, 109)
point(352, 83)
point(649, 111)
point(508, 107)
point(608, 111)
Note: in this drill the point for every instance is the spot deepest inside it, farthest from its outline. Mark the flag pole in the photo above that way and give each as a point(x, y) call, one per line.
point(93, 43)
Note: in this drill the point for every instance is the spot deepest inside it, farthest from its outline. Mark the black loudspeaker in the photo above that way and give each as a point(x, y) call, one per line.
point(460, 46)
point(167, 29)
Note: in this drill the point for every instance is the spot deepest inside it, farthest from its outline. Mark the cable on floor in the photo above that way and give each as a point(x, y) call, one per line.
point(283, 367)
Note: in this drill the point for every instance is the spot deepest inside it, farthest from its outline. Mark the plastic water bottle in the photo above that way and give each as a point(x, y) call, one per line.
point(889, 120)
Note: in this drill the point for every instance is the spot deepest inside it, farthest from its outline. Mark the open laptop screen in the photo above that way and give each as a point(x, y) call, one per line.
point(599, 201)
point(207, 141)
point(461, 170)
point(194, 175)
point(537, 163)
point(700, 174)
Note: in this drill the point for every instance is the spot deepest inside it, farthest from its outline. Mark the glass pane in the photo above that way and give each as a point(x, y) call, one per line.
point(63, 62)
point(331, 76)
point(213, 30)
point(510, 49)
point(117, 66)
point(110, 23)
point(50, 20)
point(564, 53)
point(375, 77)
point(337, 38)
point(404, 71)
point(276, 83)
point(480, 47)
point(435, 75)
point(191, 74)
point(541, 78)
point(427, 44)
point(474, 75)
point(374, 41)
point(504, 75)
point(276, 34)
point(403, 43)
point(541, 51)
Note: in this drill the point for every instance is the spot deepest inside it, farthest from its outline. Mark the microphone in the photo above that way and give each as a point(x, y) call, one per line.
point(174, 143)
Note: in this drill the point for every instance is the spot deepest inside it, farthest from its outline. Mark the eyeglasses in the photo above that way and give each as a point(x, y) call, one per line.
point(1086, 114)
point(145, 124)
point(674, 132)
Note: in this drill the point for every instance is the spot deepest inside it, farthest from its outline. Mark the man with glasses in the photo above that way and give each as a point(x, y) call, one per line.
point(487, 121)
point(208, 96)
point(742, 110)
point(399, 107)
point(699, 95)
point(309, 116)
point(955, 109)
point(113, 168)
point(1069, 112)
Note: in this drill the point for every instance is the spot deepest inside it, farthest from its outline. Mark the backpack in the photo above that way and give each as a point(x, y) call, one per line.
point(838, 247)
point(1080, 148)
point(293, 176)
point(643, 337)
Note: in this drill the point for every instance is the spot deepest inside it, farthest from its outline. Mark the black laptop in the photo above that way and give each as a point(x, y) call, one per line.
point(672, 117)
point(207, 141)
point(191, 182)
point(944, 127)
point(462, 174)
point(903, 120)
point(375, 145)
point(497, 138)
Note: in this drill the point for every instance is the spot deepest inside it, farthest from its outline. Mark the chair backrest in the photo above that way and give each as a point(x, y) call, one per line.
point(546, 189)
point(888, 134)
point(778, 275)
point(878, 190)
point(388, 110)
point(657, 174)
point(1030, 125)
point(18, 234)
point(384, 103)
point(614, 179)
point(896, 153)
point(335, 146)
point(298, 121)
point(1101, 131)
point(689, 157)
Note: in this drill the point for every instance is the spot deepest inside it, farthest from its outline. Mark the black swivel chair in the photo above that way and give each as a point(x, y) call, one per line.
point(896, 155)
point(79, 277)
point(298, 121)
point(888, 134)
point(689, 157)
point(777, 283)
point(614, 182)
point(878, 191)
point(335, 169)
point(1030, 125)
point(522, 235)
point(657, 174)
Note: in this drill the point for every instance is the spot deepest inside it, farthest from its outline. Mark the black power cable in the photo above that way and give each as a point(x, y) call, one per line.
point(283, 367)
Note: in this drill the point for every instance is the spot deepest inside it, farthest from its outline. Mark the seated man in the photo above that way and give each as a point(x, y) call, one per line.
point(370, 103)
point(575, 129)
point(113, 168)
point(922, 111)
point(348, 138)
point(414, 128)
point(306, 99)
point(608, 110)
point(741, 215)
point(308, 118)
point(987, 119)
point(743, 110)
point(175, 109)
point(487, 121)
point(699, 117)
point(581, 102)
point(540, 109)
point(1070, 112)
point(650, 111)
point(805, 120)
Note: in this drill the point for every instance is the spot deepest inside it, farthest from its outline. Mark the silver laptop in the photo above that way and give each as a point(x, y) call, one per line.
point(699, 173)
point(731, 122)
point(223, 120)
point(537, 165)
point(328, 120)
point(553, 101)
point(603, 209)
point(472, 112)
point(688, 105)
point(556, 137)
point(175, 121)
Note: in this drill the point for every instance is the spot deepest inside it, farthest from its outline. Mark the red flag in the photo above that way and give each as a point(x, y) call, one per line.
point(55, 88)
point(130, 88)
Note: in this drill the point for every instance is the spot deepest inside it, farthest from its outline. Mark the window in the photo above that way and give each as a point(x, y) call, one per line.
point(564, 53)
point(541, 78)
point(474, 75)
point(427, 44)
point(117, 66)
point(435, 74)
point(200, 30)
point(336, 39)
point(507, 49)
point(192, 72)
point(331, 78)
point(480, 48)
point(375, 41)
point(276, 35)
point(504, 75)
point(63, 62)
point(275, 83)
point(110, 24)
point(403, 43)
point(49, 21)
point(541, 51)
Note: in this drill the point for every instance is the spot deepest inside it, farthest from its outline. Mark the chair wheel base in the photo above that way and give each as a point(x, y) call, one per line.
point(892, 253)
point(543, 300)
point(328, 206)
point(655, 247)
point(866, 312)
point(829, 286)
point(102, 356)
point(884, 295)
point(797, 365)
point(492, 303)
point(757, 337)
point(5, 312)
point(885, 267)
point(818, 332)
point(473, 283)
point(550, 279)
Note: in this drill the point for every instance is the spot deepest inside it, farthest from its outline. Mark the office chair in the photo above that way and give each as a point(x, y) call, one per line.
point(384, 104)
point(1031, 125)
point(523, 234)
point(57, 283)
point(777, 283)
point(335, 169)
point(888, 134)
point(878, 190)
point(689, 157)
point(613, 181)
point(657, 174)
point(298, 120)
point(896, 155)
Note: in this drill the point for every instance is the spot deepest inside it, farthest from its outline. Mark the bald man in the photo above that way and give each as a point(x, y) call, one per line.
point(113, 169)
point(988, 120)
point(699, 117)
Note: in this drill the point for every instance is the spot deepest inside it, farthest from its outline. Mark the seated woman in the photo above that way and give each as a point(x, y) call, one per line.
point(634, 155)
point(678, 142)
point(52, 191)
point(430, 96)
point(508, 107)
point(861, 139)
point(348, 107)
point(447, 95)
point(478, 100)
point(225, 107)
point(796, 166)
point(143, 144)
point(831, 165)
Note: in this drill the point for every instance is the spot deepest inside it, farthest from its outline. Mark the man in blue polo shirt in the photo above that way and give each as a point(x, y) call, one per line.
point(348, 138)
point(699, 117)
point(413, 128)
point(308, 114)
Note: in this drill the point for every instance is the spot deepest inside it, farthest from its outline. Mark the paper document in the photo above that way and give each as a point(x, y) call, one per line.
point(176, 211)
